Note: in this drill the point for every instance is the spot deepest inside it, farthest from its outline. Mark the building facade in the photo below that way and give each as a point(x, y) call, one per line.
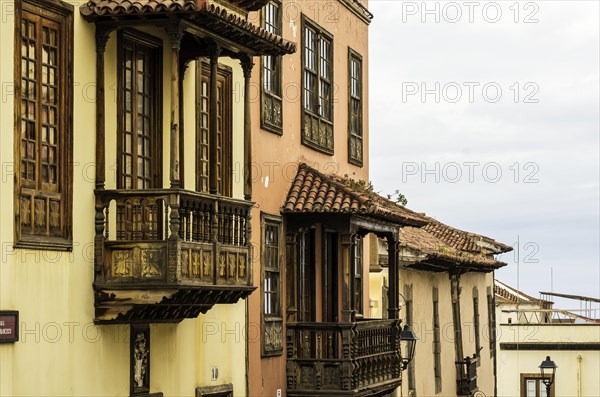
point(190, 212)
point(446, 287)
point(129, 254)
point(530, 329)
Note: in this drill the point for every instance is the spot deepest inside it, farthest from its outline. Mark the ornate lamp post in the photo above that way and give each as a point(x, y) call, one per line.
point(408, 342)
point(548, 370)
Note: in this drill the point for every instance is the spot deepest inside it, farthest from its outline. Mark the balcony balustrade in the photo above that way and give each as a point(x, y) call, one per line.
point(185, 249)
point(466, 381)
point(360, 358)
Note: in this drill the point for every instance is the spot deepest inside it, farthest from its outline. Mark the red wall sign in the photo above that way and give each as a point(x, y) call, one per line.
point(9, 326)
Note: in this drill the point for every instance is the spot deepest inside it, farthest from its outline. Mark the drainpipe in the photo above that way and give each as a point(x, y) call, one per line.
point(579, 375)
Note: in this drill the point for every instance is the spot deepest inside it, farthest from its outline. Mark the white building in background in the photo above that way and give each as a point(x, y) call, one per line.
point(529, 329)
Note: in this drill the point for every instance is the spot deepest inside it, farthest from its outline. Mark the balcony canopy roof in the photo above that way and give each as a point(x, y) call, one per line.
point(439, 243)
point(201, 17)
point(317, 193)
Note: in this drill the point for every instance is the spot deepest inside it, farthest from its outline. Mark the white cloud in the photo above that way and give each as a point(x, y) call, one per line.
point(559, 134)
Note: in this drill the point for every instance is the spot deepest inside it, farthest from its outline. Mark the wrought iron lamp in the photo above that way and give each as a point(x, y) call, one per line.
point(408, 341)
point(548, 370)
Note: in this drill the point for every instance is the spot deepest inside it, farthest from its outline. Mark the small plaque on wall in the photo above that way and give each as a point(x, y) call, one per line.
point(9, 326)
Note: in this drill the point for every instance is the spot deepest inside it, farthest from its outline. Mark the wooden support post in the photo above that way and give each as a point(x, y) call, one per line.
point(247, 65)
point(175, 36)
point(213, 176)
point(102, 36)
point(393, 310)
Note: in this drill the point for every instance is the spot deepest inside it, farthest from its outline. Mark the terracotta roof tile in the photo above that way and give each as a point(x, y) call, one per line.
point(333, 195)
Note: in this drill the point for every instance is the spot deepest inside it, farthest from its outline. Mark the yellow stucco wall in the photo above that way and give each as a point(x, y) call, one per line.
point(422, 283)
point(61, 352)
point(573, 378)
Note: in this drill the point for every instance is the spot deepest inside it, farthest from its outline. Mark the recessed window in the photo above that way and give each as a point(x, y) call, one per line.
point(272, 111)
point(139, 111)
point(317, 87)
point(223, 162)
point(437, 343)
point(43, 137)
point(272, 336)
point(355, 126)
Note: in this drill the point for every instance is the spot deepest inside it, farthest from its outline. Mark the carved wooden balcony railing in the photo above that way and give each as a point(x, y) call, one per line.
point(361, 358)
point(168, 254)
point(466, 381)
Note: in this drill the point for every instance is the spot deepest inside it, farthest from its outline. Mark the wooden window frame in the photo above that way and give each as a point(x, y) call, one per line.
point(305, 275)
point(314, 116)
point(476, 324)
point(408, 300)
point(534, 376)
point(437, 343)
point(491, 305)
point(275, 97)
point(272, 322)
point(62, 14)
point(355, 135)
point(225, 74)
point(358, 262)
point(155, 44)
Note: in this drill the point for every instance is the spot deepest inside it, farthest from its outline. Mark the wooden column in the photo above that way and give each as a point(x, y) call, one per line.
point(102, 36)
point(247, 65)
point(393, 275)
point(175, 36)
point(348, 312)
point(213, 177)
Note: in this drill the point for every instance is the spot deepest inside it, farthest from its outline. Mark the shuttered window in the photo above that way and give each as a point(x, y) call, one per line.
point(43, 137)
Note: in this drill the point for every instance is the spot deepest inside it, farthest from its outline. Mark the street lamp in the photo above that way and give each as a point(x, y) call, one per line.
point(408, 341)
point(548, 370)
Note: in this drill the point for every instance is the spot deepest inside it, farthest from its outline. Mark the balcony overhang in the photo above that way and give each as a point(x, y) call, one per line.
point(170, 254)
point(343, 359)
point(162, 303)
point(199, 19)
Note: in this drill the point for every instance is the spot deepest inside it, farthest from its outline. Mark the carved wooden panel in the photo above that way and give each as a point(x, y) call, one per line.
point(272, 336)
point(138, 262)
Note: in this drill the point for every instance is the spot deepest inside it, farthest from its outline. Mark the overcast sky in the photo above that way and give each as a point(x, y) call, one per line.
point(486, 116)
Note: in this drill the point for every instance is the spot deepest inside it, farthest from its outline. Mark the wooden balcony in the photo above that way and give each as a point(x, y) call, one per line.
point(466, 381)
point(167, 254)
point(337, 359)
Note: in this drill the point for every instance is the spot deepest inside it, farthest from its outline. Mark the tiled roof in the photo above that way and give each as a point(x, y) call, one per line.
point(510, 294)
point(434, 247)
point(197, 10)
point(465, 241)
point(441, 241)
point(314, 192)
